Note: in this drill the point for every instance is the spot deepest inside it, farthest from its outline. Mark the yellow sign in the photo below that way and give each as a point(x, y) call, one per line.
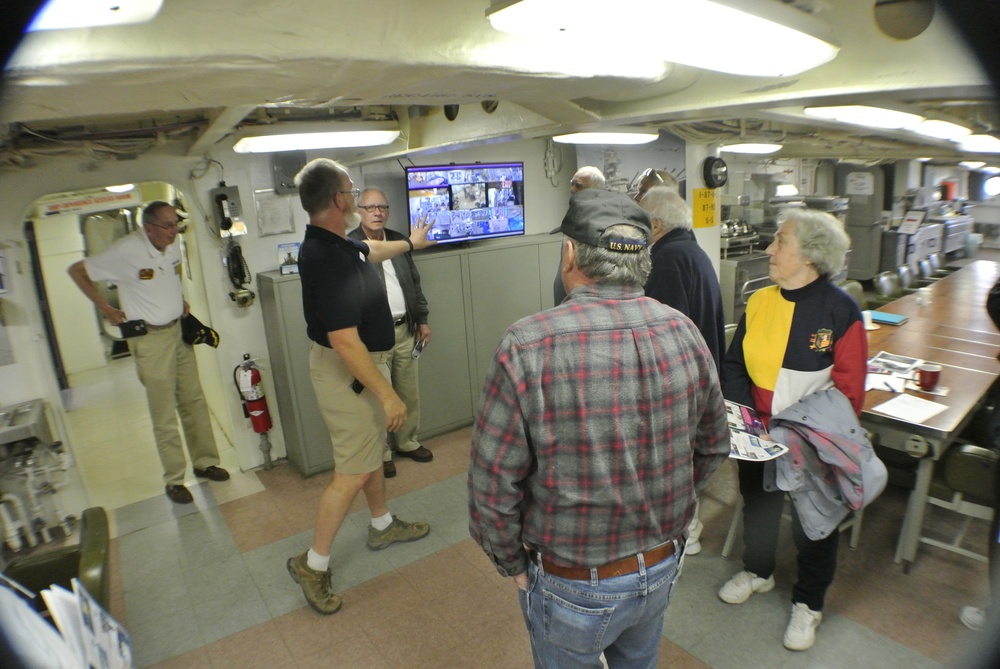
point(703, 208)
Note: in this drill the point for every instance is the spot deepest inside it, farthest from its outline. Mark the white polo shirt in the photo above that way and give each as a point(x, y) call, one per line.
point(149, 282)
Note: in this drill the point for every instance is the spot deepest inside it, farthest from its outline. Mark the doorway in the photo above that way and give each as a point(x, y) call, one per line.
point(105, 412)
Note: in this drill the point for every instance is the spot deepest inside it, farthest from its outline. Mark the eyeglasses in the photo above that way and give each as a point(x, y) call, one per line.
point(374, 207)
point(170, 226)
point(356, 192)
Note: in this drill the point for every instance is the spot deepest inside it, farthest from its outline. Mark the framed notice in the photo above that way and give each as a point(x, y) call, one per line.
point(911, 222)
point(274, 213)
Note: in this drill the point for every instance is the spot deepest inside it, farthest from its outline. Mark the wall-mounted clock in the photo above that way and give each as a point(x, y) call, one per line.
point(715, 171)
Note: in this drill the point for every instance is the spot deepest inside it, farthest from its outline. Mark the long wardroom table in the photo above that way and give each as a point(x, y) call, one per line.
point(954, 330)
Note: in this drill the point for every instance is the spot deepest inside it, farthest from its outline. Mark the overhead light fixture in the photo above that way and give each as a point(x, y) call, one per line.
point(608, 137)
point(991, 169)
point(873, 117)
point(777, 30)
point(972, 164)
point(751, 147)
point(334, 135)
point(923, 159)
point(786, 190)
point(941, 129)
point(65, 14)
point(980, 144)
point(121, 188)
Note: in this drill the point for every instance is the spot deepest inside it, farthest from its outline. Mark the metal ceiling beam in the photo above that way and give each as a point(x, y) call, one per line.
point(223, 123)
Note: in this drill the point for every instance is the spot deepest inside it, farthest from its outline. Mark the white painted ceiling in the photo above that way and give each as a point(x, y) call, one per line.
point(202, 69)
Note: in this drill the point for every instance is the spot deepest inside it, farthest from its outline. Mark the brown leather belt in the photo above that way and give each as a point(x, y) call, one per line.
point(628, 565)
point(172, 323)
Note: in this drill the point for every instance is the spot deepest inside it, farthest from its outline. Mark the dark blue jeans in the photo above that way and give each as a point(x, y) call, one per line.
point(571, 622)
point(817, 560)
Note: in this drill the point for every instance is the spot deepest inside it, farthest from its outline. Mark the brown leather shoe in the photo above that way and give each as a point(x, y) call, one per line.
point(212, 473)
point(420, 454)
point(179, 494)
point(388, 469)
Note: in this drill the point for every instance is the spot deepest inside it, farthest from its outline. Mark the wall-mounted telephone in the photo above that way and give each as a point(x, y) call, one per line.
point(227, 210)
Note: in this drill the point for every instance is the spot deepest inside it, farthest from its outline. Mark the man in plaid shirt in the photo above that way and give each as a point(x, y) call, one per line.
point(600, 421)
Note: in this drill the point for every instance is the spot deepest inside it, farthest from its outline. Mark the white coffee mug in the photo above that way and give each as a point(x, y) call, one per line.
point(866, 315)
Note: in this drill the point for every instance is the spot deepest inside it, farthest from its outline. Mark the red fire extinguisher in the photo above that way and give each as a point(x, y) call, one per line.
point(247, 378)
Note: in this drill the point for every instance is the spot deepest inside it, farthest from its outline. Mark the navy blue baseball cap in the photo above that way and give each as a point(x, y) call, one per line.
point(594, 210)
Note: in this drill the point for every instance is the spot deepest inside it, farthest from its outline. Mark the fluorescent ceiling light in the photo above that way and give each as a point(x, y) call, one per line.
point(751, 147)
point(923, 159)
point(610, 137)
point(941, 129)
point(972, 164)
point(777, 31)
point(991, 169)
point(62, 14)
point(784, 190)
point(121, 188)
point(873, 117)
point(981, 144)
point(283, 138)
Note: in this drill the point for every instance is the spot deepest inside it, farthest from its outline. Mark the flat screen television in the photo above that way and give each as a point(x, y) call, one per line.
point(466, 203)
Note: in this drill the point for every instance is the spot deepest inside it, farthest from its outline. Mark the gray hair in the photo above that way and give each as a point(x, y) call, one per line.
point(666, 205)
point(149, 213)
point(822, 239)
point(319, 182)
point(603, 265)
point(594, 176)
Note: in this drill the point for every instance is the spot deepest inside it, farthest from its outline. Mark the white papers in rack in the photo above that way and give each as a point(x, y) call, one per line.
point(910, 408)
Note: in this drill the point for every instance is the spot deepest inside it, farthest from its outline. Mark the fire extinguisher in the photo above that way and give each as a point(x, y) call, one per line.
point(246, 375)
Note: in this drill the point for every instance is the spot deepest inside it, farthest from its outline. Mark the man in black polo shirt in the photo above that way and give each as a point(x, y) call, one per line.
point(350, 325)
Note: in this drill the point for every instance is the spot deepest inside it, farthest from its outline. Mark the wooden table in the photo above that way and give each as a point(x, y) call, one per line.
point(955, 331)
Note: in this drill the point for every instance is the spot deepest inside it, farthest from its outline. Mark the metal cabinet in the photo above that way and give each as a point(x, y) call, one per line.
point(307, 441)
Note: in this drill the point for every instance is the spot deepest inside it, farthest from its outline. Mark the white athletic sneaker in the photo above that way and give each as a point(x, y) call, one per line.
point(972, 617)
point(693, 545)
point(801, 631)
point(739, 588)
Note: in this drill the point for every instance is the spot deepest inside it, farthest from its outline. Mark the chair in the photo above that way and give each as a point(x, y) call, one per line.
point(907, 279)
point(857, 291)
point(927, 275)
point(730, 332)
point(938, 265)
point(963, 484)
point(887, 289)
point(853, 523)
point(88, 561)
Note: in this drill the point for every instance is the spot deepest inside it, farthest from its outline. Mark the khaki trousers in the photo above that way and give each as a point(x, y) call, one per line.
point(403, 374)
point(169, 372)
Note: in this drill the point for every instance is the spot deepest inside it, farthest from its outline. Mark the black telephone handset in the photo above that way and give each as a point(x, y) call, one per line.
point(239, 271)
point(225, 219)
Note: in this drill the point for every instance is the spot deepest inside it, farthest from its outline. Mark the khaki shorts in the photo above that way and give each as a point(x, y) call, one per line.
point(355, 421)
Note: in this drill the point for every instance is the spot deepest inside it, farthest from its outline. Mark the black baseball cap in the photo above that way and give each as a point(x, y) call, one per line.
point(594, 210)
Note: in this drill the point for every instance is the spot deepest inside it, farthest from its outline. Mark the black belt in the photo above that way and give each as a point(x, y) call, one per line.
point(628, 565)
point(399, 321)
point(172, 323)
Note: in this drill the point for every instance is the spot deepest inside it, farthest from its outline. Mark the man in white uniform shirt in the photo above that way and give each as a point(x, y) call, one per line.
point(409, 315)
point(146, 267)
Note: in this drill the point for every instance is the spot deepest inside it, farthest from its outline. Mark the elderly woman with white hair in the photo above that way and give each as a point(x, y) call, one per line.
point(799, 337)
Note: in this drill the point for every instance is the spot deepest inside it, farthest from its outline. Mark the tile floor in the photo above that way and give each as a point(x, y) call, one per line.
point(205, 585)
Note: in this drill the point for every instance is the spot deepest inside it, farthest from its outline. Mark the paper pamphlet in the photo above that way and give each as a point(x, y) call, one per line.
point(745, 430)
point(90, 631)
point(891, 363)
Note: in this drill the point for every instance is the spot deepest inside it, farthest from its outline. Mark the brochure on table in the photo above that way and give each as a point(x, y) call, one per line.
point(896, 373)
point(746, 430)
